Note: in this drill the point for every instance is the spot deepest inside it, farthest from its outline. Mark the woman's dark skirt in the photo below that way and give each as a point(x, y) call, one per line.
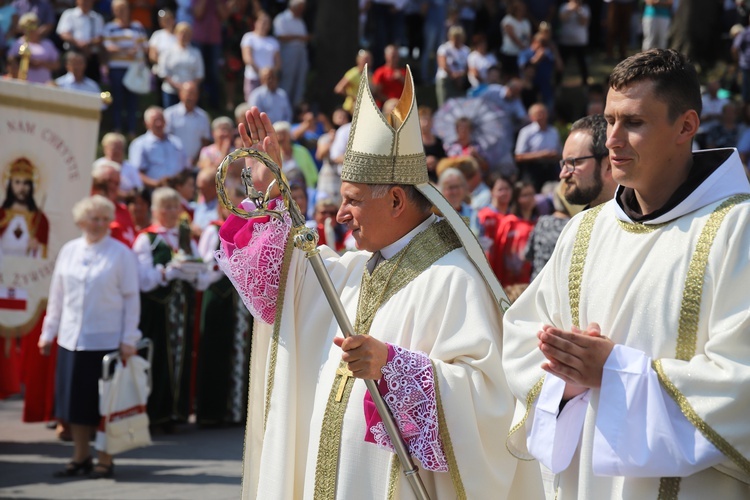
point(77, 386)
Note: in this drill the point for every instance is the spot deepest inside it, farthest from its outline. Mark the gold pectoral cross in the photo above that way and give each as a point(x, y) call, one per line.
point(346, 374)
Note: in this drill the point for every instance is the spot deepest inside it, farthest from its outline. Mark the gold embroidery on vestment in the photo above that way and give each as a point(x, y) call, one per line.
point(687, 333)
point(637, 228)
point(687, 338)
point(578, 261)
point(669, 488)
point(393, 475)
point(388, 278)
point(445, 437)
point(530, 398)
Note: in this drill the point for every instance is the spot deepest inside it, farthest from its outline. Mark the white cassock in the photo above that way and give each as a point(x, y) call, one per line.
point(445, 312)
point(670, 419)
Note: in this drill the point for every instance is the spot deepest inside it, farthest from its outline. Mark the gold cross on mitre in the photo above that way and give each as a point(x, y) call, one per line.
point(346, 374)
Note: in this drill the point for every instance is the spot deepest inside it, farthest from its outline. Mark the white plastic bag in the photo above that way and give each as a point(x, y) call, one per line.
point(122, 405)
point(137, 78)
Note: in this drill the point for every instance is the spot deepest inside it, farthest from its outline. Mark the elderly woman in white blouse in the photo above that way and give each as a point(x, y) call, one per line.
point(169, 273)
point(93, 308)
point(178, 64)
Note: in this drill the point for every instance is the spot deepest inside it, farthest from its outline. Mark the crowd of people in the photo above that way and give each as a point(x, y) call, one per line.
point(156, 192)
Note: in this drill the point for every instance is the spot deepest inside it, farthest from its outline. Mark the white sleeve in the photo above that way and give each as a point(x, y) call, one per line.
point(55, 300)
point(63, 25)
point(198, 65)
point(553, 438)
point(278, 26)
point(163, 63)
point(640, 430)
point(207, 245)
point(131, 298)
point(521, 142)
point(98, 26)
point(150, 276)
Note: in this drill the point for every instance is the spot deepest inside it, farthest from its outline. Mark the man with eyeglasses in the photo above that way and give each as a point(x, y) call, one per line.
point(585, 171)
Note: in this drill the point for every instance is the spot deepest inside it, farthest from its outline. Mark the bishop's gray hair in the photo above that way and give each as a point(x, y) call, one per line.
point(412, 194)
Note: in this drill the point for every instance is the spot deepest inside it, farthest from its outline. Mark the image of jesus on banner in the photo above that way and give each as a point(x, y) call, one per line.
point(24, 229)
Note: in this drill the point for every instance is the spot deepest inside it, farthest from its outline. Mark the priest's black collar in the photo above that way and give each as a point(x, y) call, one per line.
point(704, 164)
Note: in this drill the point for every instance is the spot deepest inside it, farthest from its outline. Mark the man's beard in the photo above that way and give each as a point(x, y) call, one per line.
point(585, 195)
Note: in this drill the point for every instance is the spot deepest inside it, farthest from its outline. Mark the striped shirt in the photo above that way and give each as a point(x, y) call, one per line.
point(123, 39)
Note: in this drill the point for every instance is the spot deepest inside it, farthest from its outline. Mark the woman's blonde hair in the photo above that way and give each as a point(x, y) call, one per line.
point(111, 137)
point(163, 195)
point(28, 21)
point(93, 204)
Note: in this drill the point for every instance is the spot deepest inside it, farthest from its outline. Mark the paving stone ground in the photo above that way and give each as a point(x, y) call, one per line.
point(190, 464)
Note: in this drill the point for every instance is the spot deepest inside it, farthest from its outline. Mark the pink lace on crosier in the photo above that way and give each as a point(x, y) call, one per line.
point(409, 391)
point(251, 255)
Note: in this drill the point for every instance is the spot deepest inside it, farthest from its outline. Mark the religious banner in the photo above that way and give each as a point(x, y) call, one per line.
point(48, 139)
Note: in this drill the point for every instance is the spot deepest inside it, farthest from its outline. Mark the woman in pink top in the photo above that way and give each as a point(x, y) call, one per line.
point(44, 56)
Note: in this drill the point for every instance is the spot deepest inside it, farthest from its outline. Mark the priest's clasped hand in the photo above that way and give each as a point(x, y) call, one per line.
point(577, 356)
point(365, 355)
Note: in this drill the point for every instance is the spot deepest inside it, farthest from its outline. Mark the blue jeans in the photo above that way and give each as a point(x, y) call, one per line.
point(746, 85)
point(211, 54)
point(388, 28)
point(168, 99)
point(121, 96)
point(434, 35)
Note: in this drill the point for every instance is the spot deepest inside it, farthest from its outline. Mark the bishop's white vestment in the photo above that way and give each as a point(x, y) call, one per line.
point(306, 429)
point(670, 419)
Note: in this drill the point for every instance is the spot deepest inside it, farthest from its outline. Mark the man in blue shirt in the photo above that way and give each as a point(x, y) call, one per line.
point(156, 154)
point(538, 148)
point(270, 98)
point(75, 78)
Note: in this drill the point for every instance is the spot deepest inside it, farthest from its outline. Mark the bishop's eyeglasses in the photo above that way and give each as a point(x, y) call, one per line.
point(568, 165)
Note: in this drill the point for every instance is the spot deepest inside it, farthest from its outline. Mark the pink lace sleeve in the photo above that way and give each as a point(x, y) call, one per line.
point(251, 255)
point(409, 391)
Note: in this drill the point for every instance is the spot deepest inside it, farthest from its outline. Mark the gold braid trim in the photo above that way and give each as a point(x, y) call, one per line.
point(691, 299)
point(530, 398)
point(326, 468)
point(393, 476)
point(368, 168)
point(578, 261)
point(445, 437)
point(687, 338)
point(277, 326)
point(28, 104)
point(388, 278)
point(708, 432)
point(669, 488)
point(637, 228)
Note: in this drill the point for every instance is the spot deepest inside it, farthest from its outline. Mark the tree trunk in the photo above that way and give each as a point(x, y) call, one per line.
point(694, 30)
